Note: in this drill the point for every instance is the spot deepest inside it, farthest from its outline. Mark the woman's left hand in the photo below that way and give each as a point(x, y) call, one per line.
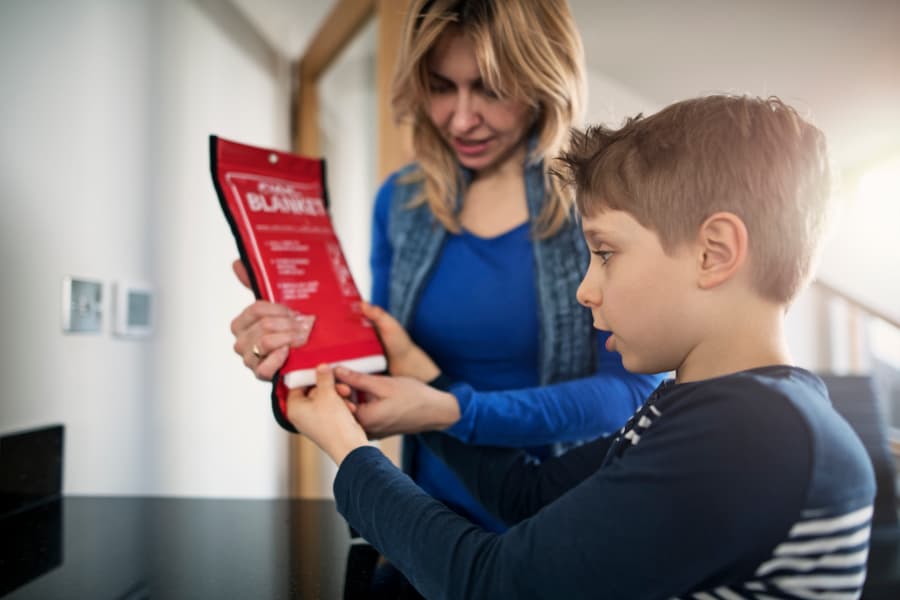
point(404, 357)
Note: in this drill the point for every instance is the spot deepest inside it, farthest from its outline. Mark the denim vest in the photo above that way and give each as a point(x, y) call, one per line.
point(567, 344)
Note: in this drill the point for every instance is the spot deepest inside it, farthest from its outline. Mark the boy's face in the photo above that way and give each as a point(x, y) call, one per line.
point(638, 292)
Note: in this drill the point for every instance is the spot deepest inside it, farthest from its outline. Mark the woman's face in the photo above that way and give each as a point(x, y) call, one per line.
point(483, 130)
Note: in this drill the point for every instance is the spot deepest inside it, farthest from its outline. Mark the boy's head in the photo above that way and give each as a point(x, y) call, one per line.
point(755, 158)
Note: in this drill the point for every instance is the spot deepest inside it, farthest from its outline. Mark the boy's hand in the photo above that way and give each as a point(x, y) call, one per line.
point(400, 404)
point(322, 415)
point(404, 357)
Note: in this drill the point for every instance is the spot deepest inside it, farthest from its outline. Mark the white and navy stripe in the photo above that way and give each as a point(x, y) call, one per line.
point(823, 558)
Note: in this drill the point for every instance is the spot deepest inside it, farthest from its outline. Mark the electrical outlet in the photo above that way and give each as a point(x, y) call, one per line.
point(82, 309)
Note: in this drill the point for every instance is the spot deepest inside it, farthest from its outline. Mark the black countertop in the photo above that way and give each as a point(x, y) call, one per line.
point(150, 547)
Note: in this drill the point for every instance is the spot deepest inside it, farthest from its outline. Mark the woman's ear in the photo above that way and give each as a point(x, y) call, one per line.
point(722, 245)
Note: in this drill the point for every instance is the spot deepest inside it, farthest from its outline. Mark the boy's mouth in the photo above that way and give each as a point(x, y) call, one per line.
point(611, 343)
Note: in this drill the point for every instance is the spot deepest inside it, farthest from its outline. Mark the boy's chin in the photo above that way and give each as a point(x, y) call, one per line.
point(641, 366)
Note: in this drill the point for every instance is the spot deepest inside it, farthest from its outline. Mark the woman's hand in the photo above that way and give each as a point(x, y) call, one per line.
point(264, 332)
point(399, 404)
point(404, 357)
point(324, 416)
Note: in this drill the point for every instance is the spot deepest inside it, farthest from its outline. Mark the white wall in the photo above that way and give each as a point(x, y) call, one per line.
point(611, 102)
point(74, 191)
point(107, 106)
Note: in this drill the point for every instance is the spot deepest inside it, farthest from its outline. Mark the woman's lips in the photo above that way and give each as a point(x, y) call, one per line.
point(470, 147)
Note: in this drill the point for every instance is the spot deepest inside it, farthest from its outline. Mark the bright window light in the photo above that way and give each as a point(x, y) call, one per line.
point(880, 185)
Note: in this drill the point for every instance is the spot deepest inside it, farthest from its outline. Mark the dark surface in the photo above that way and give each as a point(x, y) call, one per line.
point(119, 547)
point(30, 468)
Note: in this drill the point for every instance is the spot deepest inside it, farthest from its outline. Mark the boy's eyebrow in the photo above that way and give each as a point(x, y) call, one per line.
point(595, 231)
point(595, 239)
point(599, 235)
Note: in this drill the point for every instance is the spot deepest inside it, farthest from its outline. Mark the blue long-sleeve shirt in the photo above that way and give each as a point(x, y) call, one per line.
point(477, 317)
point(748, 485)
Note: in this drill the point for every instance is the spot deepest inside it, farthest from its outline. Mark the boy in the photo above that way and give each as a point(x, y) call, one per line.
point(736, 479)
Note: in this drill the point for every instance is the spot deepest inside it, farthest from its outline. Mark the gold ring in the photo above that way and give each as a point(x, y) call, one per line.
point(256, 352)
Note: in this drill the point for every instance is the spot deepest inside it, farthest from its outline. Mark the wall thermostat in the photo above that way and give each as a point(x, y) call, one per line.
point(133, 309)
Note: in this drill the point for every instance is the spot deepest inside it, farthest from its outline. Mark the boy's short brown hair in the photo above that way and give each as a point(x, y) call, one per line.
point(754, 157)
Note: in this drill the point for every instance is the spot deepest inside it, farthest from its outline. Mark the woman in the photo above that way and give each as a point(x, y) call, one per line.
point(474, 239)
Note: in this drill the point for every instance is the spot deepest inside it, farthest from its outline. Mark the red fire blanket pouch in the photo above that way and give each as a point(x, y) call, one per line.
point(275, 203)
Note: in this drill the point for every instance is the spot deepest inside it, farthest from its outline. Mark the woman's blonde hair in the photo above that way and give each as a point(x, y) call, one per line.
point(527, 50)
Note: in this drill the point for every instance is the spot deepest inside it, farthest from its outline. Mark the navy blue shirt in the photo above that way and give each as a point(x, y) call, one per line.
point(748, 484)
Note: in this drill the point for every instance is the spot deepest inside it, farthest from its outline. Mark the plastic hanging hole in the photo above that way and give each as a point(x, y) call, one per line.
point(273, 158)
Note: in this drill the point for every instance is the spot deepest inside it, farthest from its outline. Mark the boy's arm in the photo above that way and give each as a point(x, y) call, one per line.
point(640, 527)
point(510, 484)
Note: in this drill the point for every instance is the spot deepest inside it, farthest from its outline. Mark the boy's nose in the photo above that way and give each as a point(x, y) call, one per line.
point(591, 298)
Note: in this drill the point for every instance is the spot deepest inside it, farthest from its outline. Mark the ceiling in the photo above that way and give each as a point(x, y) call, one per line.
point(838, 61)
point(288, 25)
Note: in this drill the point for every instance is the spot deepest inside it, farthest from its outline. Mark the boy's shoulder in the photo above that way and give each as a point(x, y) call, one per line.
point(789, 400)
point(780, 398)
point(779, 382)
point(784, 382)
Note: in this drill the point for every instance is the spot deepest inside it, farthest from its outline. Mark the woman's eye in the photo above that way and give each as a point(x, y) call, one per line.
point(490, 94)
point(438, 87)
point(604, 255)
point(487, 92)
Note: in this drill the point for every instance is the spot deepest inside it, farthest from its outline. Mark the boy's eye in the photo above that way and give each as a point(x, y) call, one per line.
point(604, 255)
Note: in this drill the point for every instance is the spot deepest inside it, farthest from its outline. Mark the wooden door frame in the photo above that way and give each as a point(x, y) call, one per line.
point(345, 21)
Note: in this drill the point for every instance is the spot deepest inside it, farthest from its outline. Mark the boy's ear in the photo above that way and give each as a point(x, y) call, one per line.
point(722, 244)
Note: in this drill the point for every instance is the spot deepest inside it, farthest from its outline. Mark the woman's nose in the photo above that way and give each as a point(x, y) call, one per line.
point(465, 114)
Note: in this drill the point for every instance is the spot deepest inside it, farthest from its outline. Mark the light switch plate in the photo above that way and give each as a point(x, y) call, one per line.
point(82, 305)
